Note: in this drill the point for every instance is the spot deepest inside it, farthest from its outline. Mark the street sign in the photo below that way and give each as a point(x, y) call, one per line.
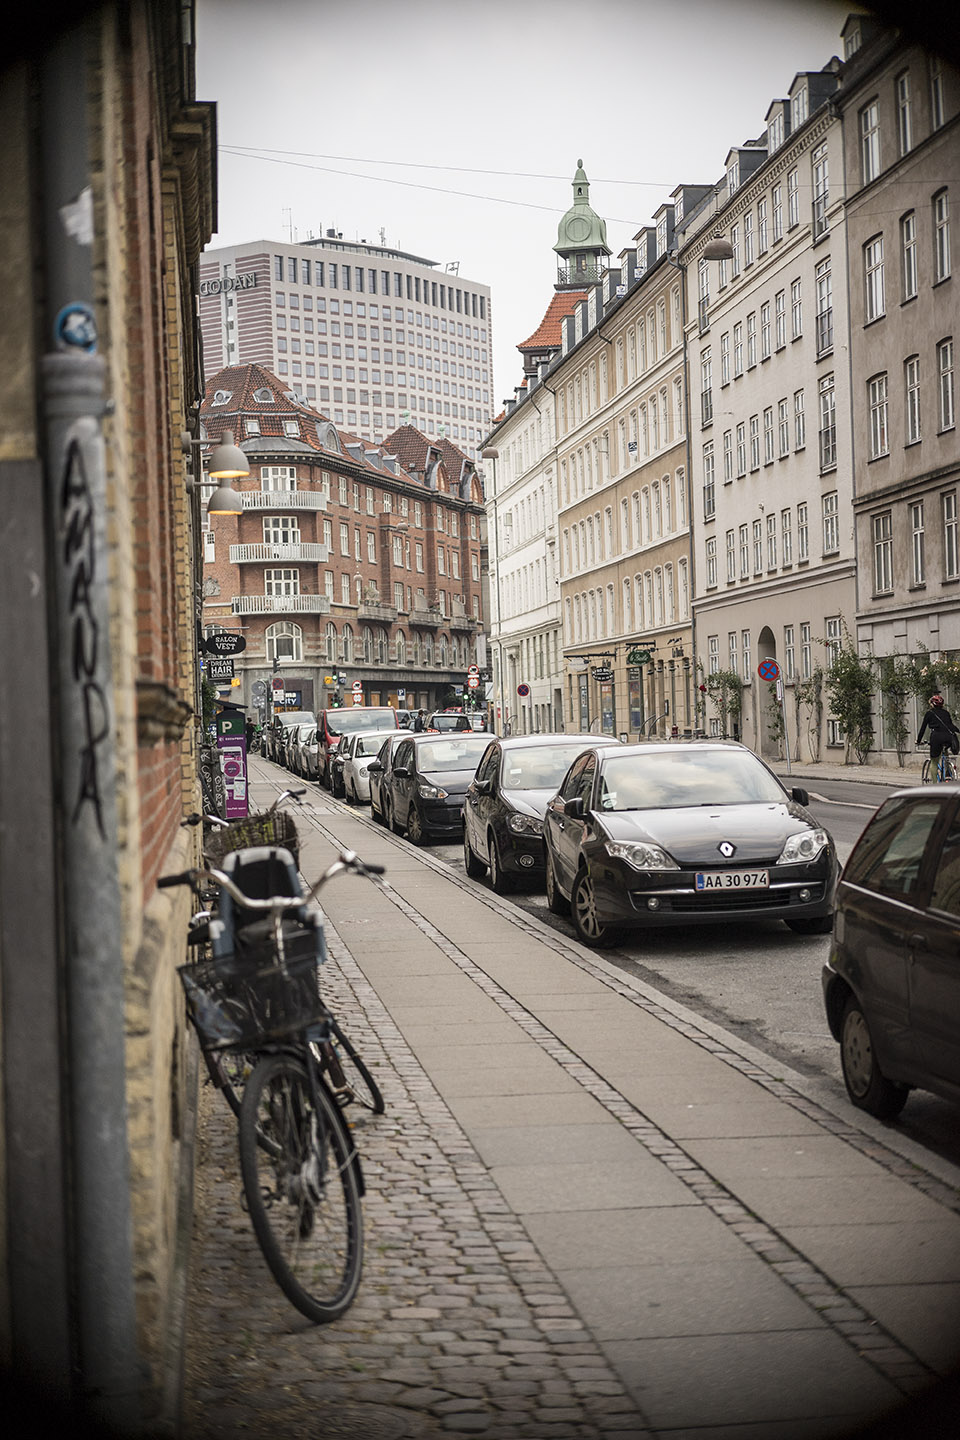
point(768, 669)
point(523, 689)
point(357, 687)
point(276, 683)
point(473, 669)
point(220, 669)
point(358, 697)
point(227, 643)
point(473, 681)
point(401, 693)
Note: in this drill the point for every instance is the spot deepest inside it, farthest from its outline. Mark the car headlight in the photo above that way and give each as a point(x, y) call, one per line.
point(362, 772)
point(430, 792)
point(525, 824)
point(641, 856)
point(803, 847)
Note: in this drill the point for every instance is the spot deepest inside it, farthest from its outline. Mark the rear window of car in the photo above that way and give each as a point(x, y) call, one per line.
point(349, 721)
point(889, 853)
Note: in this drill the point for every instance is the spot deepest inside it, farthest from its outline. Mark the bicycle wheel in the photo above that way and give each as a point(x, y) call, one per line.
point(367, 1093)
point(229, 1071)
point(301, 1187)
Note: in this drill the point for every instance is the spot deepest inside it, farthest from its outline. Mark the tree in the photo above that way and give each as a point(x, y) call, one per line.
point(850, 683)
point(899, 679)
point(725, 689)
point(809, 694)
point(775, 717)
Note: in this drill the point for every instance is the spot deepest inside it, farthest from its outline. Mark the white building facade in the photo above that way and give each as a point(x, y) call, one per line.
point(372, 337)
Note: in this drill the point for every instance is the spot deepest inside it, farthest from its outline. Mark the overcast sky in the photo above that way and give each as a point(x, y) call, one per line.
point(455, 127)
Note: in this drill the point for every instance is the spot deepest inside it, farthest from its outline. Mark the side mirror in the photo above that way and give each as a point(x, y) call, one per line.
point(482, 787)
point(801, 796)
point(374, 768)
point(402, 772)
point(573, 808)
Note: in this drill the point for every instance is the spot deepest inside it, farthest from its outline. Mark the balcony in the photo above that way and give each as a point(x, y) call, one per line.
point(253, 554)
point(282, 500)
point(427, 619)
point(370, 610)
point(462, 622)
point(281, 604)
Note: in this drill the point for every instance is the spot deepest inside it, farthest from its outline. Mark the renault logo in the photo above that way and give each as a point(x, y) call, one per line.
point(726, 849)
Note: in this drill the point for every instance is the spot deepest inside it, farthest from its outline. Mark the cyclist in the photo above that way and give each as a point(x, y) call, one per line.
point(943, 733)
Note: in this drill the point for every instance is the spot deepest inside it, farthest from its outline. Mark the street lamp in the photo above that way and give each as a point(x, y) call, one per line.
point(227, 462)
point(493, 454)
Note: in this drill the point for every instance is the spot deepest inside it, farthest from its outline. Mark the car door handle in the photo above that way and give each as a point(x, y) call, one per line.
point(917, 941)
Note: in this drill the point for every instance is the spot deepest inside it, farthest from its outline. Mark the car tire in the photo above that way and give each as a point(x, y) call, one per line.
point(868, 1088)
point(415, 831)
point(500, 883)
point(557, 902)
point(811, 925)
point(591, 930)
point(473, 865)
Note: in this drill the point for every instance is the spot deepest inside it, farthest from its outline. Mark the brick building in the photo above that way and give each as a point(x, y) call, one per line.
point(349, 562)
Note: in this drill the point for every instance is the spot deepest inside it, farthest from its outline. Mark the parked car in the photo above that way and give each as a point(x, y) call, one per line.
point(428, 782)
point(892, 983)
point(335, 758)
point(358, 751)
point(505, 803)
point(478, 719)
point(680, 834)
point(347, 720)
point(289, 745)
point(378, 773)
point(307, 752)
point(447, 720)
point(405, 718)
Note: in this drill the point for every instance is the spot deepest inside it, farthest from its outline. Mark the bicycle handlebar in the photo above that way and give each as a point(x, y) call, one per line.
point(347, 860)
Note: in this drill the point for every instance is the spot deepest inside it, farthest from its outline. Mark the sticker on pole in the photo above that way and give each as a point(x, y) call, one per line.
point(768, 669)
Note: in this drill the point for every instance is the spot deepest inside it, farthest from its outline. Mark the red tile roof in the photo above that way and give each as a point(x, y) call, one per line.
point(547, 335)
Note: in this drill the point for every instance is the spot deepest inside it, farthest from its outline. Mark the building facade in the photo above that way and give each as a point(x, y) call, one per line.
point(373, 337)
point(349, 564)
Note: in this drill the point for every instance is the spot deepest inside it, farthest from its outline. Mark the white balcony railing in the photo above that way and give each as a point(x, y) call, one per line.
point(282, 500)
point(244, 554)
point(281, 604)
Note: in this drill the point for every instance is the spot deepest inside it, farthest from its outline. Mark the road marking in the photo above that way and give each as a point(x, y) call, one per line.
point(851, 804)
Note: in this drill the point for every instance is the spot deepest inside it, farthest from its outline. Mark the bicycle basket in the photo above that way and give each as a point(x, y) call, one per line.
point(275, 827)
point(242, 1000)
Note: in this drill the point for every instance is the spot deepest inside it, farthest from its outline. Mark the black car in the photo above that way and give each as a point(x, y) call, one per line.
point(448, 720)
point(683, 833)
point(505, 803)
point(379, 771)
point(892, 983)
point(424, 793)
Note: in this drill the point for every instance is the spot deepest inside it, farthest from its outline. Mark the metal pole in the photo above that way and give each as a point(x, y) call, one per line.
point(72, 401)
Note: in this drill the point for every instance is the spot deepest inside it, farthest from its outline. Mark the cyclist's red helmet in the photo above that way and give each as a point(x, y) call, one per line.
point(936, 701)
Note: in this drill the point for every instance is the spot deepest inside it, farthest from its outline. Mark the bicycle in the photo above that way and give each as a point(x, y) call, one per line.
point(301, 1172)
point(944, 771)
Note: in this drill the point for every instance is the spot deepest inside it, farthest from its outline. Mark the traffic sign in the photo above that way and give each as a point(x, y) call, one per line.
point(473, 681)
point(768, 669)
point(401, 693)
point(358, 697)
point(357, 686)
point(473, 669)
point(523, 689)
point(277, 682)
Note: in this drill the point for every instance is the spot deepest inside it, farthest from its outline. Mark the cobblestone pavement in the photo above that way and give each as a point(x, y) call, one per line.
point(459, 1328)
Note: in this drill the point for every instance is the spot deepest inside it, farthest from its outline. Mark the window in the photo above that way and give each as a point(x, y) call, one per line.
point(803, 532)
point(772, 541)
point(735, 246)
point(281, 530)
point(737, 349)
point(741, 449)
point(789, 653)
point(768, 435)
point(786, 536)
point(278, 477)
point(821, 191)
point(796, 310)
point(936, 92)
point(711, 551)
point(828, 424)
point(873, 278)
point(777, 208)
point(823, 307)
point(748, 238)
point(344, 538)
point(284, 641)
point(870, 142)
point(806, 650)
point(941, 236)
point(780, 318)
point(904, 121)
point(758, 547)
point(209, 547)
point(754, 442)
point(709, 492)
point(765, 331)
point(371, 547)
point(744, 552)
point(703, 300)
point(751, 339)
point(882, 553)
point(281, 582)
point(793, 199)
point(799, 422)
point(725, 358)
point(775, 132)
point(747, 671)
point(908, 255)
point(833, 642)
point(783, 428)
point(762, 236)
point(831, 523)
point(713, 654)
point(951, 552)
point(727, 456)
point(945, 384)
point(706, 390)
point(911, 383)
point(918, 568)
point(877, 405)
point(799, 107)
point(731, 556)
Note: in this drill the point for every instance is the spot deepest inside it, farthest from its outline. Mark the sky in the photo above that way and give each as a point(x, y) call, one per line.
point(456, 127)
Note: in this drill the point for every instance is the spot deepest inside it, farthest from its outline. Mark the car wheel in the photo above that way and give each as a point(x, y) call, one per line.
point(867, 1086)
point(590, 928)
point(557, 902)
point(500, 883)
point(415, 831)
point(812, 925)
point(471, 863)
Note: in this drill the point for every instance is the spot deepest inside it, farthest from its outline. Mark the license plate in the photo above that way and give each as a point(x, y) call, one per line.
point(732, 879)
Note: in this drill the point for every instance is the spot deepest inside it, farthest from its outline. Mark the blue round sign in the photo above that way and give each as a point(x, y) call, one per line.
point(768, 669)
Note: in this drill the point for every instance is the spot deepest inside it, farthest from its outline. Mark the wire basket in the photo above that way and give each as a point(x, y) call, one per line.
point(241, 1001)
point(274, 827)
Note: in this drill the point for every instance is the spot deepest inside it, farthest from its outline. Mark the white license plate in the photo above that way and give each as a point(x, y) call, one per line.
point(732, 880)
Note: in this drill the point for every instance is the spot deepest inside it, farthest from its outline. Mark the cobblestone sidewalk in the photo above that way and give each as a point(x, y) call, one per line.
point(459, 1328)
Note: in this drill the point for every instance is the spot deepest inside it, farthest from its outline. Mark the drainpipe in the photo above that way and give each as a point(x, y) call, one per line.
point(72, 398)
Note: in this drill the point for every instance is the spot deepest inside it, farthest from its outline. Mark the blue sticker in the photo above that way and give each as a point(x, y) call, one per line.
point(76, 327)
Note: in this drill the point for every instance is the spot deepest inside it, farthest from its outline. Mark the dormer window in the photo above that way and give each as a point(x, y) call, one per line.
point(775, 132)
point(733, 175)
point(263, 396)
point(800, 109)
point(678, 208)
point(661, 236)
point(253, 426)
point(291, 427)
point(851, 42)
point(222, 397)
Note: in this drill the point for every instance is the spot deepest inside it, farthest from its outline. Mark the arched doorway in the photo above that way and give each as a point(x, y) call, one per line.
point(769, 725)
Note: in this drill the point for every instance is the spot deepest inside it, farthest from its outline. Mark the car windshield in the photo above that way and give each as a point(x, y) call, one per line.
point(348, 722)
point(463, 753)
point(542, 767)
point(448, 722)
point(670, 779)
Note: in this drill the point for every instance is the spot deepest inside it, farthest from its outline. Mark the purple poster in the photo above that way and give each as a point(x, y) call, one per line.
point(233, 761)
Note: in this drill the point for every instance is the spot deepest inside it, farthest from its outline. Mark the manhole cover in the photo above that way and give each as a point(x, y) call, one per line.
point(365, 1422)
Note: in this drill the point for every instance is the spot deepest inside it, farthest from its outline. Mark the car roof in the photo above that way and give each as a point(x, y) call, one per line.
point(683, 747)
point(519, 742)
